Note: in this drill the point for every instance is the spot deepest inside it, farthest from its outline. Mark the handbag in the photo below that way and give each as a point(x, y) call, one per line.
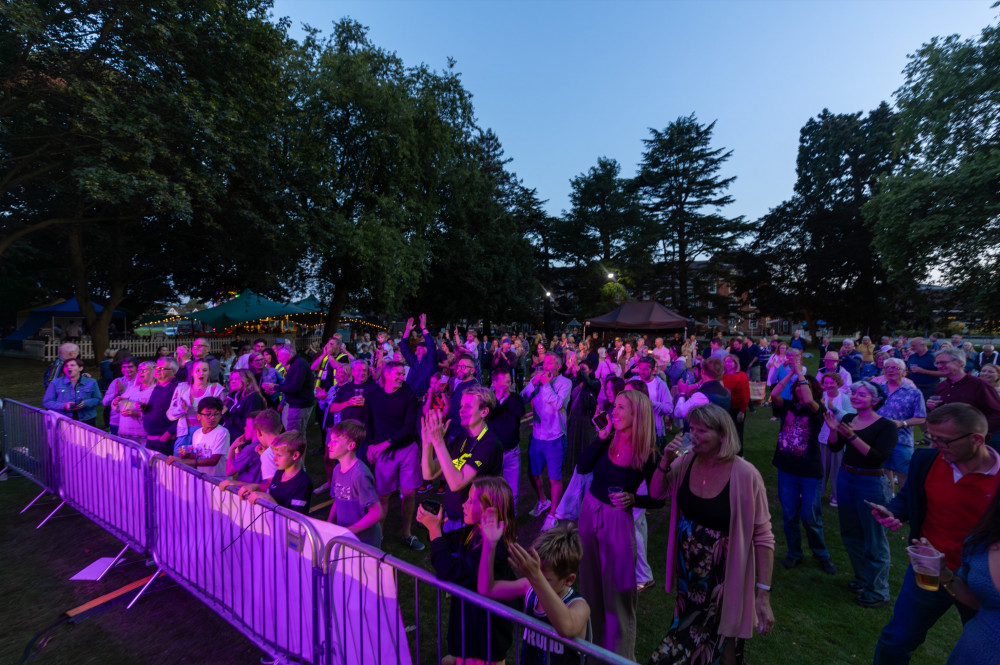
point(757, 391)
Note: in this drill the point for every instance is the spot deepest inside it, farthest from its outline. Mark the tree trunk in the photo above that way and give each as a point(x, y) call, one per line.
point(96, 323)
point(337, 303)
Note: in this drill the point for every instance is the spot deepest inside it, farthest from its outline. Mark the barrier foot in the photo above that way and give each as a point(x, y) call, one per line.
point(33, 501)
point(61, 504)
point(143, 589)
point(114, 562)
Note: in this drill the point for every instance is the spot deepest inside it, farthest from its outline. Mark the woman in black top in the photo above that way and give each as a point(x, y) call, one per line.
point(620, 463)
point(800, 465)
point(243, 399)
point(869, 440)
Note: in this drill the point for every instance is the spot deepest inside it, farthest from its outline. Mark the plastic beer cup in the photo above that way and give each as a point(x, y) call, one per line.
point(926, 562)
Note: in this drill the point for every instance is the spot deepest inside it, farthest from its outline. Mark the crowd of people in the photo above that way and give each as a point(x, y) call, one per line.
point(437, 421)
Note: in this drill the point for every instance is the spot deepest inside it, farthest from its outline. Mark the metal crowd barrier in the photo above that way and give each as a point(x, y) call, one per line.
point(257, 566)
point(364, 604)
point(105, 479)
point(261, 567)
point(26, 446)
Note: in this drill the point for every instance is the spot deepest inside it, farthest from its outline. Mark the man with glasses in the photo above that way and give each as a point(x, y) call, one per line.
point(465, 378)
point(960, 386)
point(161, 430)
point(202, 350)
point(949, 487)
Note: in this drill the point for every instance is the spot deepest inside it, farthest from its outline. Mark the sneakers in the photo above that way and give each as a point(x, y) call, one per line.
point(322, 488)
point(542, 506)
point(871, 604)
point(414, 543)
point(833, 502)
point(550, 521)
point(789, 563)
point(425, 488)
point(644, 585)
point(441, 489)
point(827, 566)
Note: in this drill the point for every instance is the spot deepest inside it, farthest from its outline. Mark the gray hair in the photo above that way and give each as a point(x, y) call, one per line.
point(895, 362)
point(953, 353)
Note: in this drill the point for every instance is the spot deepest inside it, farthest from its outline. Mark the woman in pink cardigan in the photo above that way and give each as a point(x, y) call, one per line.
point(721, 550)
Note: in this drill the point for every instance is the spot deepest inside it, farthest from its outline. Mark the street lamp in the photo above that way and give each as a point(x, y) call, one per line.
point(548, 294)
point(611, 275)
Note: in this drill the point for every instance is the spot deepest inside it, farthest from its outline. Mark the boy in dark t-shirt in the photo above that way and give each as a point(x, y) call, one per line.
point(291, 486)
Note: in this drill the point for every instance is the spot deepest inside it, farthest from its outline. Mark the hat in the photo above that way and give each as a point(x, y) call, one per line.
point(282, 341)
point(886, 349)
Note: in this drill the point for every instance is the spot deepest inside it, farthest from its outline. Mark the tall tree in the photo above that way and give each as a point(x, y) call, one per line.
point(812, 255)
point(134, 128)
point(373, 148)
point(682, 190)
point(604, 216)
point(939, 211)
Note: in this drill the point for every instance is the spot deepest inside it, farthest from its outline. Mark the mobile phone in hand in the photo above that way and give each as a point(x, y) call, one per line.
point(431, 505)
point(601, 420)
point(882, 509)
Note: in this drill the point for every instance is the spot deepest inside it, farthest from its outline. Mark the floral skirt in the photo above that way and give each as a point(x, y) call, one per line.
point(694, 634)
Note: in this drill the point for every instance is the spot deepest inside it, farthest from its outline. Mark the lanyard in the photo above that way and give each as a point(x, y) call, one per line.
point(479, 438)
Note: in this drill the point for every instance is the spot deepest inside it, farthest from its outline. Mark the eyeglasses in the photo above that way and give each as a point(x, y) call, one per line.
point(938, 442)
point(468, 367)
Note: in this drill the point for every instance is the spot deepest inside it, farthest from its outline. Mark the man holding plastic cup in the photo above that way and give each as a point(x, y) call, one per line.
point(947, 490)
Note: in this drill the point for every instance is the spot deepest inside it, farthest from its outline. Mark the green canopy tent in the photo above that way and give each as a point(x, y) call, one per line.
point(244, 308)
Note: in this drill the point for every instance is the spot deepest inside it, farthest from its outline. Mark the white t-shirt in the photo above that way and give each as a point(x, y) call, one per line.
point(215, 442)
point(267, 466)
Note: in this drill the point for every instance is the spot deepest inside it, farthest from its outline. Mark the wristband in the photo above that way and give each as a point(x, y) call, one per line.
point(763, 587)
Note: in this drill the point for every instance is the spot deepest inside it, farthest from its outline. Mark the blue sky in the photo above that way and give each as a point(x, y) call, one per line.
point(563, 83)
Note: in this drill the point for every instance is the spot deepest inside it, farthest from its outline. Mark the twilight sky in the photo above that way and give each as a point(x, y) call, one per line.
point(563, 83)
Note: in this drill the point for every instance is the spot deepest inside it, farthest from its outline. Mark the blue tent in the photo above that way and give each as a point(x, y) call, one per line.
point(47, 314)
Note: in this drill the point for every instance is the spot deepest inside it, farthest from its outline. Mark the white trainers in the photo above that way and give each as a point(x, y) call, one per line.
point(542, 506)
point(550, 521)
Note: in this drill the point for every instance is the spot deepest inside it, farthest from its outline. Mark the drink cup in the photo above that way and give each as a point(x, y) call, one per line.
point(926, 562)
point(614, 489)
point(687, 445)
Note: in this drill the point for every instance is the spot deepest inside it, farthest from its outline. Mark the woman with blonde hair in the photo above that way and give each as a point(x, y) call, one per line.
point(621, 458)
point(721, 548)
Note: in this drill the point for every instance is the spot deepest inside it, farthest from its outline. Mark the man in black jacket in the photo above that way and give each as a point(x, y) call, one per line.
point(297, 388)
point(422, 361)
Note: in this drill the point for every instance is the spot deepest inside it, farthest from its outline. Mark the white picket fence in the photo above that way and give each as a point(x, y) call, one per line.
point(146, 346)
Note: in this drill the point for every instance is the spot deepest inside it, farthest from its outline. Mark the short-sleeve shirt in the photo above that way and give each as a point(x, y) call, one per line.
point(798, 451)
point(926, 362)
point(905, 403)
point(485, 454)
point(354, 493)
point(295, 493)
point(215, 442)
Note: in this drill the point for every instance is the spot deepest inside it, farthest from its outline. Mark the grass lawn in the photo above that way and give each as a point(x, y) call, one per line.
point(816, 622)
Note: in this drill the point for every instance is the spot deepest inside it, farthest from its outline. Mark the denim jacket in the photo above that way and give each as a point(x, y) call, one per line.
point(60, 391)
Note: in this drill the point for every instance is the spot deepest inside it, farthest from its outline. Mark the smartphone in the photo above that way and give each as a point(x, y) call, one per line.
point(431, 505)
point(882, 509)
point(601, 420)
